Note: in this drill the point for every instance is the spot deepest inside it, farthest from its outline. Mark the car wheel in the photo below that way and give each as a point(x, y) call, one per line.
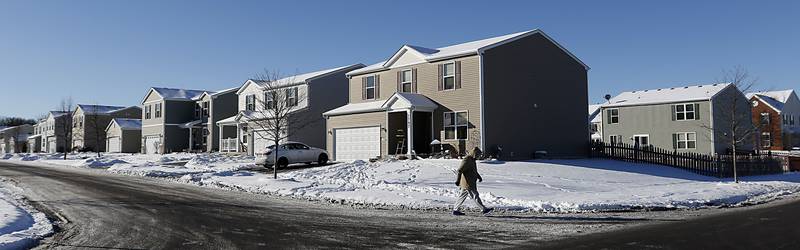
point(323, 159)
point(282, 163)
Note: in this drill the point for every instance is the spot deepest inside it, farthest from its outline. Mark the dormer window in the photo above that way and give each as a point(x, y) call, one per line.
point(406, 81)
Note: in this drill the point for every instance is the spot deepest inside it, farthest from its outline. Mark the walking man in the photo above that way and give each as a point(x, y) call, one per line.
point(466, 179)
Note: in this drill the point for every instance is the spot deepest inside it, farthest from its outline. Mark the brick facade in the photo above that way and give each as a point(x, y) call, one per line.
point(773, 127)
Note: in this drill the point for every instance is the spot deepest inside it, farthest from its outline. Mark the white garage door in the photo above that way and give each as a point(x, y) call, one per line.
point(152, 144)
point(114, 145)
point(356, 143)
point(51, 145)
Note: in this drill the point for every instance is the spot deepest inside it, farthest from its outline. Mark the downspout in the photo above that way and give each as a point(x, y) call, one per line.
point(480, 94)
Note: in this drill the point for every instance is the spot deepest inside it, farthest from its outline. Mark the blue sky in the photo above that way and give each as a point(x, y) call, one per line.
point(110, 52)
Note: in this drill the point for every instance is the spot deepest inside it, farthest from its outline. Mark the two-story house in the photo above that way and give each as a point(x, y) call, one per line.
point(507, 95)
point(55, 138)
point(313, 93)
point(595, 122)
point(35, 140)
point(777, 114)
point(89, 124)
point(211, 107)
point(687, 119)
point(167, 116)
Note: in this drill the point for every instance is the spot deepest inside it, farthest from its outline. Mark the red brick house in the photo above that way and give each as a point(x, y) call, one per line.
point(777, 115)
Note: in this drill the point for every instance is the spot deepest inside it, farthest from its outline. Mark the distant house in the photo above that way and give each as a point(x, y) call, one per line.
point(211, 107)
point(595, 122)
point(35, 140)
point(686, 119)
point(124, 135)
point(509, 93)
point(53, 137)
point(89, 124)
point(322, 90)
point(15, 139)
point(167, 118)
point(777, 114)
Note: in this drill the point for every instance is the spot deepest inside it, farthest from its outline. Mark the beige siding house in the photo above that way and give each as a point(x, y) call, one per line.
point(35, 140)
point(319, 91)
point(124, 135)
point(54, 139)
point(504, 94)
point(89, 123)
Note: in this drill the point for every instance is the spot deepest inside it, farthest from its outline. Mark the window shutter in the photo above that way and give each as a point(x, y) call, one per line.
point(414, 80)
point(458, 74)
point(608, 116)
point(377, 86)
point(675, 141)
point(439, 76)
point(697, 111)
point(399, 85)
point(673, 112)
point(363, 88)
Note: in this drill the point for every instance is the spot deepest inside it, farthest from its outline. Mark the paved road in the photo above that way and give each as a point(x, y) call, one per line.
point(767, 227)
point(125, 212)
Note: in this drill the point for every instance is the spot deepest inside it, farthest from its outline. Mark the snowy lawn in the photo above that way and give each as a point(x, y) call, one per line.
point(539, 186)
point(20, 224)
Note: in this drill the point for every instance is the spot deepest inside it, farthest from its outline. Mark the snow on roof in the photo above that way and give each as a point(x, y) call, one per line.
point(594, 111)
point(775, 99)
point(417, 101)
point(216, 93)
point(229, 120)
point(456, 50)
point(59, 113)
point(126, 123)
point(353, 108)
point(667, 95)
point(301, 78)
point(170, 93)
point(99, 109)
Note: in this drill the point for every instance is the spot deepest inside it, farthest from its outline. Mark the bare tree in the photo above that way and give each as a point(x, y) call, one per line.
point(740, 127)
point(279, 111)
point(95, 126)
point(63, 125)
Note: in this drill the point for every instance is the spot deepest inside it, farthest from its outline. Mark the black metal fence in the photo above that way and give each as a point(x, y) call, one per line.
point(720, 166)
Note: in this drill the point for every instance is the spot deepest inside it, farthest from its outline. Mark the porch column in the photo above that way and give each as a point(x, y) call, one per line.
point(410, 131)
point(190, 139)
point(238, 136)
point(220, 139)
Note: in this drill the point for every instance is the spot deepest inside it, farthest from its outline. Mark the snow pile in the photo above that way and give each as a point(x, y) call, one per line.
point(20, 225)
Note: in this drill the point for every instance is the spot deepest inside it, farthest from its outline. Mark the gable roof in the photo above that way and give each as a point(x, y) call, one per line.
point(667, 95)
point(174, 94)
point(216, 93)
point(457, 50)
point(397, 100)
point(59, 113)
point(127, 123)
point(99, 109)
point(300, 78)
point(594, 111)
point(775, 99)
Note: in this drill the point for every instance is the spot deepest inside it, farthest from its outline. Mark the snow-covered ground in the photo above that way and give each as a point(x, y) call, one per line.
point(20, 224)
point(539, 186)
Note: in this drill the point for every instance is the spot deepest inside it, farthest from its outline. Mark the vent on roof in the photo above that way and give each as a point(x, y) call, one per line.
point(686, 87)
point(671, 88)
point(658, 89)
point(714, 85)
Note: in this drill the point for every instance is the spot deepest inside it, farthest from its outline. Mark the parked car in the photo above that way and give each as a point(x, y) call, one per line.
point(291, 153)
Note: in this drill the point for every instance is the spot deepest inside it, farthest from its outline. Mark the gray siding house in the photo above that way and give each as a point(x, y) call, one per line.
point(686, 119)
point(167, 116)
point(54, 140)
point(506, 93)
point(124, 135)
point(89, 123)
point(320, 91)
point(211, 107)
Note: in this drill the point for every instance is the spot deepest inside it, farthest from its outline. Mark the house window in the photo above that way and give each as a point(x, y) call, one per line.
point(614, 139)
point(785, 119)
point(250, 102)
point(449, 75)
point(291, 97)
point(405, 81)
point(613, 116)
point(148, 112)
point(641, 140)
point(205, 109)
point(765, 119)
point(766, 140)
point(455, 125)
point(158, 110)
point(369, 87)
point(197, 111)
point(685, 140)
point(269, 100)
point(685, 112)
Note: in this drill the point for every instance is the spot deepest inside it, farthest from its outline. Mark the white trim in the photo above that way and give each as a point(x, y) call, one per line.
point(374, 87)
point(685, 112)
point(444, 84)
point(711, 124)
point(480, 94)
point(161, 124)
point(611, 121)
point(455, 117)
point(410, 82)
point(152, 90)
point(640, 136)
point(767, 103)
point(686, 135)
